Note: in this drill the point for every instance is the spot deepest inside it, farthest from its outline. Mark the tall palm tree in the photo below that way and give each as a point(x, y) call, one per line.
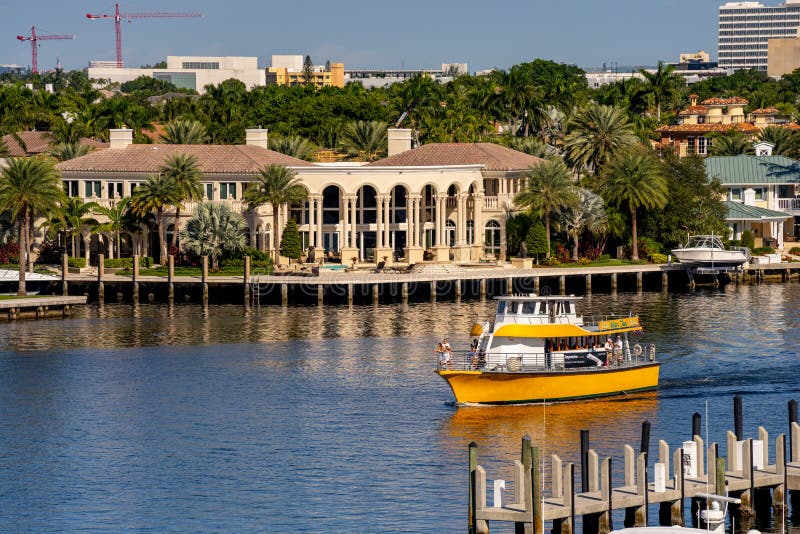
point(365, 139)
point(549, 189)
point(155, 194)
point(184, 172)
point(66, 151)
point(71, 218)
point(292, 145)
point(28, 186)
point(594, 134)
point(786, 142)
point(213, 229)
point(732, 143)
point(634, 179)
point(115, 221)
point(663, 84)
point(588, 213)
point(184, 132)
point(275, 185)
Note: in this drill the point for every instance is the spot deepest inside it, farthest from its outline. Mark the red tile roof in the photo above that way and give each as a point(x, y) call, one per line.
point(725, 101)
point(745, 127)
point(493, 157)
point(39, 143)
point(694, 110)
point(765, 111)
point(224, 159)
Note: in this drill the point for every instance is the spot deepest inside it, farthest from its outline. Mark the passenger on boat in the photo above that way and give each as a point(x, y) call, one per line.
point(447, 352)
point(439, 351)
point(609, 348)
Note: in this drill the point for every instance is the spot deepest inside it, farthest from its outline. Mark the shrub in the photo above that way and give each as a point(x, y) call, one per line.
point(77, 263)
point(584, 261)
point(657, 258)
point(290, 241)
point(9, 253)
point(604, 257)
point(50, 252)
point(748, 240)
point(760, 251)
point(794, 251)
point(118, 263)
point(552, 261)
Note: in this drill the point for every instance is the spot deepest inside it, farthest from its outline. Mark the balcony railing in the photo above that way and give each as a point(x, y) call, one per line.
point(789, 204)
point(491, 202)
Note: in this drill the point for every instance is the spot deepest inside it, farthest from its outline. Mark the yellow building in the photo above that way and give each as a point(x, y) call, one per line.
point(319, 76)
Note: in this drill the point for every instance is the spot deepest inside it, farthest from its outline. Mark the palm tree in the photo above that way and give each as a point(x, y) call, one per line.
point(634, 179)
point(184, 172)
point(292, 145)
point(184, 132)
point(214, 229)
point(587, 214)
point(155, 194)
point(534, 147)
point(115, 221)
point(732, 143)
point(663, 84)
point(275, 185)
point(28, 186)
point(65, 151)
point(785, 141)
point(71, 218)
point(594, 134)
point(549, 189)
point(365, 139)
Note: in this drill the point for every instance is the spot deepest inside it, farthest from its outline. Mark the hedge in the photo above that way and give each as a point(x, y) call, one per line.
point(77, 263)
point(126, 263)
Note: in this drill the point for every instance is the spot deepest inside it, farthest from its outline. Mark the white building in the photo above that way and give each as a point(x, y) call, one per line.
point(187, 72)
point(746, 27)
point(596, 79)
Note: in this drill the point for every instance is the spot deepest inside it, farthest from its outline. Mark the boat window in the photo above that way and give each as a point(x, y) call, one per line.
point(501, 307)
point(528, 308)
point(567, 307)
point(542, 308)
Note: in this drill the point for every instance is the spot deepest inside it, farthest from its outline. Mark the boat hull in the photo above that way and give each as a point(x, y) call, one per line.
point(706, 257)
point(478, 387)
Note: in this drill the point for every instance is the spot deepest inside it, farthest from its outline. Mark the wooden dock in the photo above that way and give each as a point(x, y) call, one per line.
point(667, 483)
point(39, 307)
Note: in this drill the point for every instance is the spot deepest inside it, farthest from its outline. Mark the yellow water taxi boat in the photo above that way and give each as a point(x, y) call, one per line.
point(540, 350)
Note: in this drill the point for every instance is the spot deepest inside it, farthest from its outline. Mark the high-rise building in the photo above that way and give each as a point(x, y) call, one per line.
point(746, 27)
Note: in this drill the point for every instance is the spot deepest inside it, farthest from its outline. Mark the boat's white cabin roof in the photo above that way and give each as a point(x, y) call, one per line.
point(537, 298)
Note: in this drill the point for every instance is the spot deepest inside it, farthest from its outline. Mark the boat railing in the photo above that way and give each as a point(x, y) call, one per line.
point(573, 360)
point(594, 320)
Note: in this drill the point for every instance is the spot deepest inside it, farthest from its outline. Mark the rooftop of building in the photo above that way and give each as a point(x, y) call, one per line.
point(738, 211)
point(493, 157)
point(34, 143)
point(212, 159)
point(747, 169)
point(744, 127)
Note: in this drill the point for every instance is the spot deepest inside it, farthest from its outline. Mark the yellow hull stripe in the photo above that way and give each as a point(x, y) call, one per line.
point(509, 388)
point(549, 330)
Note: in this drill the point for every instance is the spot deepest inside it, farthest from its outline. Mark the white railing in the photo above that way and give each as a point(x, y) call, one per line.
point(789, 203)
point(491, 202)
point(576, 360)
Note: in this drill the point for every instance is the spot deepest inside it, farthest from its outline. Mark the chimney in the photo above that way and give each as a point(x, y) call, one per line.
point(693, 99)
point(257, 137)
point(120, 138)
point(399, 140)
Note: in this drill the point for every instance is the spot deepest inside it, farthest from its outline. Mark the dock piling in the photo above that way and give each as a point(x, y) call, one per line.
point(509, 286)
point(737, 417)
point(613, 282)
point(135, 278)
point(101, 289)
point(588, 284)
point(562, 285)
point(320, 294)
point(285, 295)
point(433, 291)
point(404, 292)
point(792, 409)
point(246, 281)
point(639, 281)
point(376, 293)
point(171, 277)
point(204, 278)
point(64, 271)
point(696, 420)
point(482, 289)
point(584, 460)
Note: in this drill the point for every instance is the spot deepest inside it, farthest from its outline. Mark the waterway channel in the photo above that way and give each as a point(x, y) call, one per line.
point(330, 419)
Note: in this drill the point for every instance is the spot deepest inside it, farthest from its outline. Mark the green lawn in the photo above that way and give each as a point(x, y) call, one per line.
point(598, 263)
point(196, 271)
point(14, 297)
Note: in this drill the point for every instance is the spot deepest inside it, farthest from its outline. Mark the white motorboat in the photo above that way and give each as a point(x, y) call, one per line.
point(708, 251)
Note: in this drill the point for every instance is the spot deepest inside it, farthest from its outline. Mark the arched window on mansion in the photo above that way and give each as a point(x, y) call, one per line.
point(492, 238)
point(450, 233)
point(470, 232)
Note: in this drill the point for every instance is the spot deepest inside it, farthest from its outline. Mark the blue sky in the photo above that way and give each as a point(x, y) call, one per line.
point(376, 33)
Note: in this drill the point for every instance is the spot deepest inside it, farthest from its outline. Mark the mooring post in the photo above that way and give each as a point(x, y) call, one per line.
point(640, 519)
point(737, 417)
point(509, 286)
point(588, 278)
point(792, 407)
point(639, 281)
point(613, 282)
point(349, 295)
point(285, 294)
point(457, 288)
point(584, 460)
point(246, 280)
point(676, 509)
point(696, 430)
point(645, 446)
point(482, 289)
point(433, 290)
point(746, 507)
point(526, 527)
point(171, 277)
point(101, 289)
point(320, 294)
point(472, 522)
point(604, 523)
point(779, 492)
point(376, 293)
point(562, 285)
point(204, 277)
point(135, 278)
point(404, 292)
point(536, 284)
point(664, 281)
point(535, 492)
point(64, 271)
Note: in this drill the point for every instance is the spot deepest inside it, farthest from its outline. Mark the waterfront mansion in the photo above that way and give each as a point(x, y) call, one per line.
point(441, 201)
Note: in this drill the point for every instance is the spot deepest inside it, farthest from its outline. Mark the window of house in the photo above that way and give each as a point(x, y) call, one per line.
point(736, 193)
point(115, 190)
point(208, 191)
point(701, 145)
point(227, 190)
point(134, 185)
point(92, 188)
point(760, 193)
point(690, 144)
point(71, 188)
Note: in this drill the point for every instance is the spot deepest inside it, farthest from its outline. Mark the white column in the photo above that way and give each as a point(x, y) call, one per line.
point(387, 221)
point(353, 208)
point(312, 212)
point(379, 221)
point(417, 221)
point(477, 219)
point(461, 228)
point(319, 240)
point(345, 221)
point(441, 209)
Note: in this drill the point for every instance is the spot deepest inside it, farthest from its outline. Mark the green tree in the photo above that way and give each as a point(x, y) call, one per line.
point(290, 241)
point(549, 190)
point(662, 85)
point(732, 143)
point(184, 173)
point(214, 229)
point(634, 179)
point(184, 132)
point(155, 195)
point(115, 222)
point(536, 239)
point(366, 140)
point(786, 142)
point(308, 70)
point(275, 185)
point(292, 145)
point(71, 218)
point(66, 151)
point(516, 229)
point(588, 213)
point(594, 134)
point(29, 186)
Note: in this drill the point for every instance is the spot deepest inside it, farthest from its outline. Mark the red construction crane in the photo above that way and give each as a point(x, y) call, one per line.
point(34, 39)
point(117, 16)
